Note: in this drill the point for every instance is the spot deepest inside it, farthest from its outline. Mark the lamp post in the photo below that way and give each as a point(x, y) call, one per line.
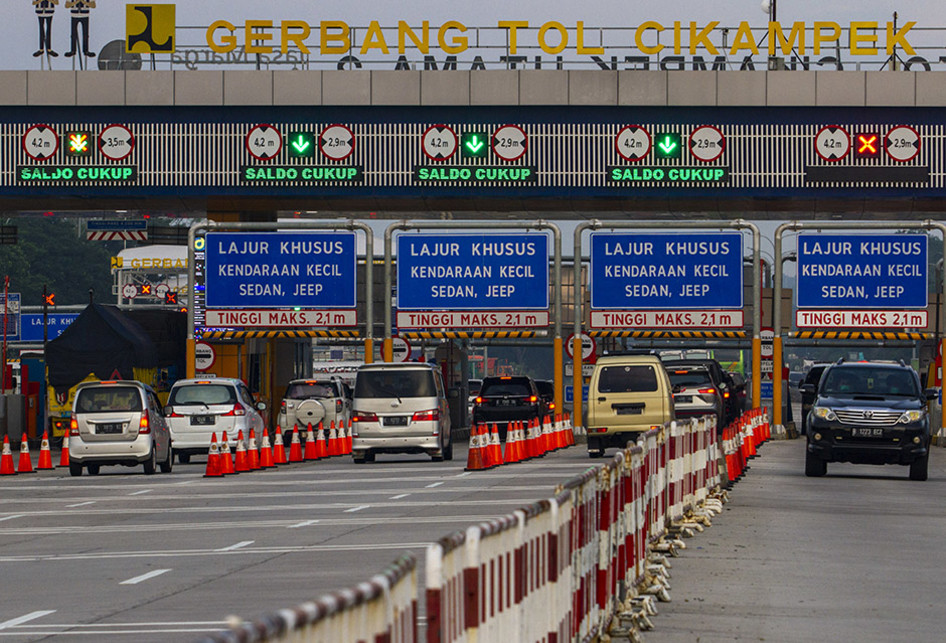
point(770, 7)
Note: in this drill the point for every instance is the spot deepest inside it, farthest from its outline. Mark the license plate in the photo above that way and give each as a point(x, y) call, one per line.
point(683, 399)
point(628, 410)
point(867, 433)
point(507, 402)
point(108, 428)
point(396, 420)
point(202, 420)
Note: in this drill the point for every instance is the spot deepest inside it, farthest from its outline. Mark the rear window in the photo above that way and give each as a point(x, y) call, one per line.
point(689, 378)
point(395, 383)
point(627, 379)
point(546, 389)
point(868, 381)
point(203, 394)
point(306, 390)
point(108, 398)
point(517, 386)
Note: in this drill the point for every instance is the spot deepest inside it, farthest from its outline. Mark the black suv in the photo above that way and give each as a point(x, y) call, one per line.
point(508, 399)
point(723, 382)
point(869, 413)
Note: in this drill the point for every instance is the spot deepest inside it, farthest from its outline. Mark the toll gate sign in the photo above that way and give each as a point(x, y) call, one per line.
point(862, 281)
point(465, 280)
point(294, 270)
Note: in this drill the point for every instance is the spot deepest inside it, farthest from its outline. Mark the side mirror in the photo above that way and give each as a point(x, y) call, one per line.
point(931, 393)
point(807, 388)
point(261, 406)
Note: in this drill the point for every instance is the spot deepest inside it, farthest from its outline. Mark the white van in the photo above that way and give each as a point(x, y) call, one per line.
point(628, 395)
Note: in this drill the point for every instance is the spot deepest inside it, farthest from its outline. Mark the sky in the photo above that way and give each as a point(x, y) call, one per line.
point(19, 29)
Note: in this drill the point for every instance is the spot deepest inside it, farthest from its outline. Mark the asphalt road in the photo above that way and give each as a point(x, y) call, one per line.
point(128, 557)
point(853, 556)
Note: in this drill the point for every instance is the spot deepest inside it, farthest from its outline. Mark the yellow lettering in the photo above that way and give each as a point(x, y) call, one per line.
point(422, 44)
point(581, 41)
point(513, 26)
point(858, 39)
point(639, 40)
point(677, 37)
point(899, 38)
point(796, 34)
point(743, 40)
point(834, 34)
point(226, 43)
point(562, 34)
point(298, 37)
point(253, 37)
point(701, 37)
point(460, 43)
point(135, 263)
point(374, 39)
point(342, 36)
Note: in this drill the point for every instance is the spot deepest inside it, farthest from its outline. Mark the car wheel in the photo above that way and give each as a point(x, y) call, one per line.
point(448, 451)
point(149, 464)
point(596, 454)
point(369, 456)
point(358, 459)
point(815, 467)
point(184, 458)
point(75, 469)
point(919, 469)
point(93, 469)
point(169, 461)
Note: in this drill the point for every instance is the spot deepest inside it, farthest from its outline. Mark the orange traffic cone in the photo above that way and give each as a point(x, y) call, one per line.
point(226, 456)
point(344, 437)
point(242, 464)
point(266, 453)
point(279, 448)
point(64, 454)
point(26, 463)
point(6, 459)
point(509, 456)
point(252, 452)
point(321, 446)
point(569, 430)
point(333, 440)
point(45, 455)
point(213, 459)
point(495, 448)
point(295, 447)
point(474, 460)
point(310, 453)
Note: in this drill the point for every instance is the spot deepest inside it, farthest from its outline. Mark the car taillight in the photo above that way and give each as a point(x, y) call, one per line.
point(478, 400)
point(364, 417)
point(426, 416)
point(282, 407)
point(551, 406)
point(73, 428)
point(726, 395)
point(143, 427)
point(338, 406)
point(707, 391)
point(236, 410)
point(533, 399)
point(173, 414)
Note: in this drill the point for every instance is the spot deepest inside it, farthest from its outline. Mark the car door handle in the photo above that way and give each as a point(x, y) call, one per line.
point(602, 399)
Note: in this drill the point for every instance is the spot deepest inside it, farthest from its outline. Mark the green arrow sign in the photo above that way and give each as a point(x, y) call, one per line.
point(474, 144)
point(301, 144)
point(668, 145)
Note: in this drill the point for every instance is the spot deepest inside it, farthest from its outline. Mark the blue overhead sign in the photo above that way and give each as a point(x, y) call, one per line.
point(280, 270)
point(473, 271)
point(666, 271)
point(116, 225)
point(862, 271)
point(32, 325)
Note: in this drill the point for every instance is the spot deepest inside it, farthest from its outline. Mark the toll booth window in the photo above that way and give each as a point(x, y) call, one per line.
point(308, 391)
point(100, 400)
point(203, 394)
point(627, 379)
point(390, 383)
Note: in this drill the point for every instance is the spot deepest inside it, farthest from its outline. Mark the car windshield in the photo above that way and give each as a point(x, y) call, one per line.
point(689, 378)
point(108, 398)
point(494, 388)
point(203, 394)
point(868, 381)
point(475, 386)
point(306, 390)
point(395, 383)
point(627, 379)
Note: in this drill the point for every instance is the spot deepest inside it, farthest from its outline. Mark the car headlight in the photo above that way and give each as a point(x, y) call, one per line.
point(824, 413)
point(911, 416)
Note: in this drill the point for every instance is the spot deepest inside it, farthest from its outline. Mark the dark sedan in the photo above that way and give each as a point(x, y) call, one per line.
point(505, 399)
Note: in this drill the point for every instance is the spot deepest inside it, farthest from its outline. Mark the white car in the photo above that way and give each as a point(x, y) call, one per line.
point(314, 400)
point(200, 407)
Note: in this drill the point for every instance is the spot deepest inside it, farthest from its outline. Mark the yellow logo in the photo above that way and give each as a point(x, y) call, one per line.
point(117, 262)
point(149, 28)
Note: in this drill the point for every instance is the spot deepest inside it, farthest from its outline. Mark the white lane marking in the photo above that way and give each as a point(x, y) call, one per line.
point(81, 504)
point(103, 633)
point(398, 497)
point(11, 517)
point(138, 493)
point(432, 485)
point(86, 626)
point(187, 482)
point(239, 545)
point(354, 509)
point(144, 577)
point(463, 475)
point(304, 523)
point(13, 622)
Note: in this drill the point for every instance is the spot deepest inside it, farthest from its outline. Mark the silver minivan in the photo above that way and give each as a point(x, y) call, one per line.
point(400, 408)
point(118, 422)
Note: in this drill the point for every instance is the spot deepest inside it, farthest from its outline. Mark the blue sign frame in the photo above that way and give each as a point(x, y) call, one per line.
point(31, 325)
point(248, 270)
point(666, 271)
point(473, 271)
point(862, 271)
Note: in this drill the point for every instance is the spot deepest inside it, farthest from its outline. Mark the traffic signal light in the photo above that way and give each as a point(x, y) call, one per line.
point(867, 145)
point(170, 298)
point(474, 144)
point(668, 145)
point(49, 299)
point(301, 144)
point(77, 143)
